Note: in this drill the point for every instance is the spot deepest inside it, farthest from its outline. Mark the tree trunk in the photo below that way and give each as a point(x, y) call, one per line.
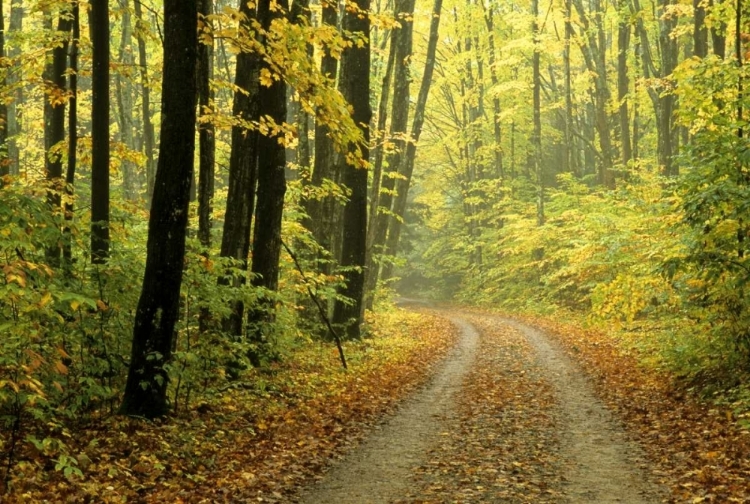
point(394, 234)
point(700, 33)
point(158, 307)
point(4, 160)
point(149, 140)
point(321, 210)
point(70, 176)
point(271, 190)
point(14, 114)
point(623, 85)
point(402, 42)
point(124, 94)
point(235, 240)
point(206, 132)
point(536, 137)
point(718, 33)
point(54, 127)
point(100, 131)
point(355, 77)
point(497, 129)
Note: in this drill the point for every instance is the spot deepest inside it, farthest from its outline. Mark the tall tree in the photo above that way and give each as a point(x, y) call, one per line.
point(402, 42)
point(623, 81)
point(399, 205)
point(54, 120)
point(271, 185)
point(99, 131)
point(158, 307)
point(13, 114)
point(4, 161)
point(149, 139)
point(321, 209)
point(124, 95)
point(235, 240)
point(72, 131)
point(206, 130)
point(355, 79)
point(536, 138)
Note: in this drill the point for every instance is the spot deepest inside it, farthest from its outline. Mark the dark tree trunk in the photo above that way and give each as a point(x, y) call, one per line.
point(100, 131)
point(207, 146)
point(206, 132)
point(570, 164)
point(70, 176)
point(4, 161)
point(149, 139)
point(54, 126)
point(718, 33)
point(355, 77)
point(402, 42)
point(399, 206)
point(271, 190)
point(158, 307)
point(13, 114)
point(536, 137)
point(321, 210)
point(623, 86)
point(235, 240)
point(700, 33)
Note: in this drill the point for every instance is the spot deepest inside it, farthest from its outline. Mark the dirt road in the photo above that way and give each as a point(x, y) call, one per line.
point(508, 417)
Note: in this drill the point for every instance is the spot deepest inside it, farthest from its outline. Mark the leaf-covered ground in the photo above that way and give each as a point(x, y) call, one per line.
point(699, 451)
point(257, 442)
point(503, 445)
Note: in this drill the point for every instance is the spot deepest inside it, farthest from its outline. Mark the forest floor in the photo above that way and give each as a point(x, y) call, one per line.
point(438, 406)
point(518, 414)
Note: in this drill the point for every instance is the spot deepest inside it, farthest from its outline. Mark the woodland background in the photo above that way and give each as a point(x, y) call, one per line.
point(578, 159)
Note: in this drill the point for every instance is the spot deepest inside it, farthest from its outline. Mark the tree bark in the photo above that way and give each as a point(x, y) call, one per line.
point(623, 84)
point(124, 94)
point(402, 43)
point(158, 307)
point(206, 132)
point(536, 138)
point(355, 77)
point(394, 234)
point(4, 160)
point(149, 136)
point(700, 33)
point(70, 175)
point(271, 190)
point(235, 240)
point(54, 124)
point(321, 210)
point(14, 114)
point(100, 131)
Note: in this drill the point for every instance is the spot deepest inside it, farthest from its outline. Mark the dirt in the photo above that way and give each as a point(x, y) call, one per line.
point(506, 418)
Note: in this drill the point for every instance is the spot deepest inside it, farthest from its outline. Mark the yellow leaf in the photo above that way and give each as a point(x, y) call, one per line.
point(74, 305)
point(101, 305)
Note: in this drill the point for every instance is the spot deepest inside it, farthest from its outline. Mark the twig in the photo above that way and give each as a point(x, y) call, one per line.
point(315, 300)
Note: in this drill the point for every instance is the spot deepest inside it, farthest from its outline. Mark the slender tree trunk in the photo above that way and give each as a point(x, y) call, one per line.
point(394, 234)
point(271, 190)
point(124, 94)
point(497, 129)
point(402, 41)
point(100, 131)
point(700, 33)
point(207, 145)
point(4, 160)
point(206, 132)
point(623, 84)
point(570, 166)
point(235, 241)
point(158, 307)
point(13, 114)
point(149, 135)
point(536, 138)
point(55, 124)
point(70, 176)
point(718, 32)
point(321, 210)
point(355, 77)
